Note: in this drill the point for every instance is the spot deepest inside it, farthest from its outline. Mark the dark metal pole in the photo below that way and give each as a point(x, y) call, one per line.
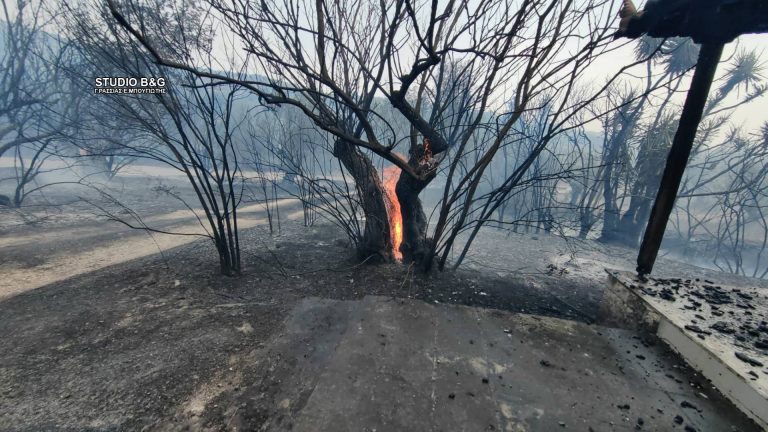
point(709, 56)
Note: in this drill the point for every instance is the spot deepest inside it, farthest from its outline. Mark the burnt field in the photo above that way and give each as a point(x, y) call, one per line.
point(146, 333)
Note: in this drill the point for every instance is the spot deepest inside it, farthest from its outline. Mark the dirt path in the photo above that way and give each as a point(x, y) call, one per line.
point(44, 256)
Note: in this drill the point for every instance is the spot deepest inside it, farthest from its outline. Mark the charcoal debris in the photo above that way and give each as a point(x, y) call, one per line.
point(686, 404)
point(730, 314)
point(697, 329)
point(723, 327)
point(667, 294)
point(747, 359)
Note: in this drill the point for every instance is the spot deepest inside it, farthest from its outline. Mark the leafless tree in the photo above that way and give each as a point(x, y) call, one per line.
point(721, 214)
point(38, 106)
point(196, 122)
point(277, 148)
point(336, 61)
point(105, 144)
point(311, 173)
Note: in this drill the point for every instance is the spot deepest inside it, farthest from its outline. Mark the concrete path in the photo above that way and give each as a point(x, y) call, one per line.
point(411, 366)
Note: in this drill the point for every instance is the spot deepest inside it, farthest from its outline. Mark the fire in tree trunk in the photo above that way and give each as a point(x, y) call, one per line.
point(415, 244)
point(391, 175)
point(375, 244)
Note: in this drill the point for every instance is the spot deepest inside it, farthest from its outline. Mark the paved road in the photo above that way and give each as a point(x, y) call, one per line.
point(402, 365)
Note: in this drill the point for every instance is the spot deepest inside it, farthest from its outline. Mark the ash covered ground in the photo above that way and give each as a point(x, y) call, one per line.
point(109, 328)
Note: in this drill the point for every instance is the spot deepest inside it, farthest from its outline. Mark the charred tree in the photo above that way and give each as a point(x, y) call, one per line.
point(375, 244)
point(415, 244)
point(647, 172)
point(346, 68)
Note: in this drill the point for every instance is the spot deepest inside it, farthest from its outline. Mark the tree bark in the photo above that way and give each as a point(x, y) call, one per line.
point(584, 230)
point(415, 246)
point(375, 245)
point(648, 171)
point(612, 210)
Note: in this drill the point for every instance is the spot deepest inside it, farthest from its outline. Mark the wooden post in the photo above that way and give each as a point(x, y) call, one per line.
point(709, 56)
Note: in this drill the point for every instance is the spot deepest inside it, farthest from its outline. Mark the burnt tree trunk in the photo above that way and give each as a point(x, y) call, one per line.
point(375, 244)
point(415, 245)
point(626, 119)
point(631, 224)
point(648, 170)
point(584, 229)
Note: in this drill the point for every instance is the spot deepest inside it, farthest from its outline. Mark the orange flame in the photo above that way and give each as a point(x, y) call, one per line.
point(427, 150)
point(391, 175)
